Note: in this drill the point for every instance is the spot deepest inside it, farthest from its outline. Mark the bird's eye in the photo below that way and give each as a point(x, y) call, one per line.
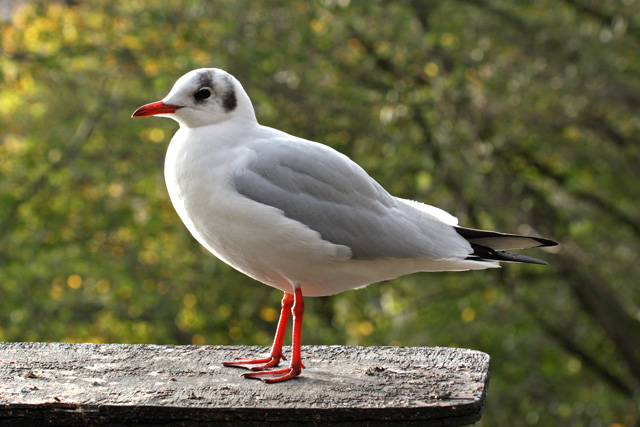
point(202, 94)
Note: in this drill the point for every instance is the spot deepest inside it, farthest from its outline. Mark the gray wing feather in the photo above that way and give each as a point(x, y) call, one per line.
point(326, 191)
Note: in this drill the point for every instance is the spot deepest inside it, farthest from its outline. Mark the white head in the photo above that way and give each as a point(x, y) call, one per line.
point(202, 97)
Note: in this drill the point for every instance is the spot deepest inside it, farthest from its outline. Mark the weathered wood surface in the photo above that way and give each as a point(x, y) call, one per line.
point(115, 384)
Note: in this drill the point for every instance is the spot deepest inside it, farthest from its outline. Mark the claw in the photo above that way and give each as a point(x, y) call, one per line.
point(275, 376)
point(255, 364)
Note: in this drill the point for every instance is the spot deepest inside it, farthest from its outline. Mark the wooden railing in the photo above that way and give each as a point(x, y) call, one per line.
point(119, 384)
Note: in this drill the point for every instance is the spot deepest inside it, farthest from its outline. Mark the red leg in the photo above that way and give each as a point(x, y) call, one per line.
point(276, 349)
point(296, 366)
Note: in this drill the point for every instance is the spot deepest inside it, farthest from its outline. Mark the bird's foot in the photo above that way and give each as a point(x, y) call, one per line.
point(257, 364)
point(276, 375)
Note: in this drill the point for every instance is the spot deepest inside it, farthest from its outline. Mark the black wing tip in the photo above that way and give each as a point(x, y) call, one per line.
point(544, 243)
point(511, 257)
point(474, 233)
point(483, 253)
point(508, 257)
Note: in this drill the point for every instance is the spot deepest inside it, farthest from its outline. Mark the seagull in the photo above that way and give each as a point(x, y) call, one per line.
point(298, 215)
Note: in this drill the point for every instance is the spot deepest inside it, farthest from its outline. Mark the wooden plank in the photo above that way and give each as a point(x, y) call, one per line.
point(76, 384)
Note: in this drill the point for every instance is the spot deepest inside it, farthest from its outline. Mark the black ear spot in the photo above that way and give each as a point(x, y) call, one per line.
point(229, 101)
point(202, 94)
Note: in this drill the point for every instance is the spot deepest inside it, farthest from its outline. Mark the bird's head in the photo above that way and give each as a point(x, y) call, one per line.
point(202, 97)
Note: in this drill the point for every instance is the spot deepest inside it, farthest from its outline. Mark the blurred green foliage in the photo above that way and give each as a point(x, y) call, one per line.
point(517, 116)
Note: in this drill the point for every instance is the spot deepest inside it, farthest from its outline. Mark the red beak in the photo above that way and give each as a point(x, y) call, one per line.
point(155, 108)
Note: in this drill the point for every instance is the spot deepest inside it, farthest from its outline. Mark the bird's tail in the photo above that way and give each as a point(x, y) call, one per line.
point(491, 245)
